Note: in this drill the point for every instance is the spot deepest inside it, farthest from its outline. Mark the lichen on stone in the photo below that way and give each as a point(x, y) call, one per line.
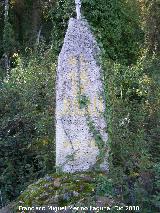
point(64, 190)
point(78, 87)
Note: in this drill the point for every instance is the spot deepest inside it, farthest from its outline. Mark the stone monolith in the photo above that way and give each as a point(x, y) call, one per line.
point(80, 124)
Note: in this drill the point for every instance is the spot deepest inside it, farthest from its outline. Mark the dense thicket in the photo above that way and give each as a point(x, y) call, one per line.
point(27, 123)
point(31, 36)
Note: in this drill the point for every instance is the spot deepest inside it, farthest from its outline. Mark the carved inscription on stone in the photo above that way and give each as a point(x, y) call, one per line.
point(79, 99)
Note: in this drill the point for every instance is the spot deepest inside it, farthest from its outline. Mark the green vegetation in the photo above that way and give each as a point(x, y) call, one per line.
point(128, 32)
point(76, 190)
point(130, 103)
point(27, 123)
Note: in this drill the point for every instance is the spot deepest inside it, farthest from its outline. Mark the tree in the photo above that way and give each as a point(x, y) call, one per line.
point(8, 38)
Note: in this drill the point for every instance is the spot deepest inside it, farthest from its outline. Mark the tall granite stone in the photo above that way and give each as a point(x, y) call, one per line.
point(80, 102)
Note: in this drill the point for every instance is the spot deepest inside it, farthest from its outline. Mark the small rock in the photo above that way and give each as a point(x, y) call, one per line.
point(48, 178)
point(46, 186)
point(67, 196)
point(75, 194)
point(57, 182)
point(87, 178)
point(104, 201)
point(81, 188)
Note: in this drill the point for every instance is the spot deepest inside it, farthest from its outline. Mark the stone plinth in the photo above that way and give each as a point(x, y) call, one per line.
point(79, 101)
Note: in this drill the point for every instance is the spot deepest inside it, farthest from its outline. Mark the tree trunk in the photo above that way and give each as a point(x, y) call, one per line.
point(153, 27)
point(36, 19)
point(6, 10)
point(6, 54)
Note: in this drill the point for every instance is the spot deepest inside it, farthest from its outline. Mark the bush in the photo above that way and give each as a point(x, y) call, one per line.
point(27, 123)
point(131, 106)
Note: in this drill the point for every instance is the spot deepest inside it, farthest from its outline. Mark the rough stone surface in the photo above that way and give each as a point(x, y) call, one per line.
point(76, 190)
point(79, 101)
